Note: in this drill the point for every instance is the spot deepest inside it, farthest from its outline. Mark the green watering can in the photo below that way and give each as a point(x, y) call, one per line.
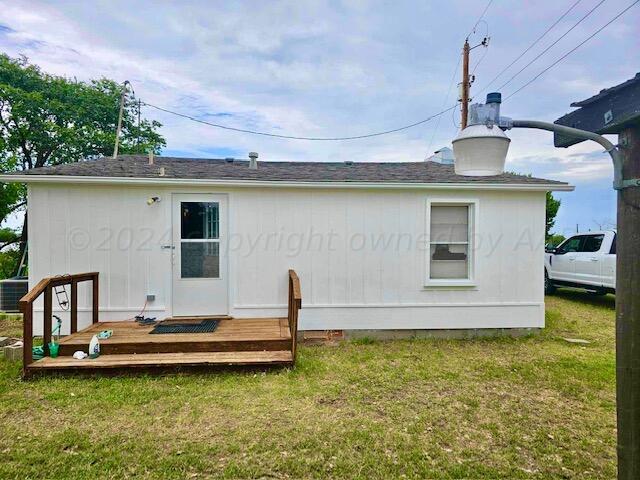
point(38, 352)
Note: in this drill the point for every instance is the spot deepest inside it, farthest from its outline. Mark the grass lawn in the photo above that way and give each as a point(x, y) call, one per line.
point(534, 407)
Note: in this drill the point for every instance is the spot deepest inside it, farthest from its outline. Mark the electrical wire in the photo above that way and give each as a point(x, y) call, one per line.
point(550, 46)
point(455, 71)
point(573, 50)
point(480, 19)
point(294, 137)
point(436, 115)
point(535, 42)
point(322, 139)
point(446, 99)
point(456, 125)
point(144, 308)
point(486, 50)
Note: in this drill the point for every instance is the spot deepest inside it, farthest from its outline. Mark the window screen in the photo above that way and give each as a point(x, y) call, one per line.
point(449, 242)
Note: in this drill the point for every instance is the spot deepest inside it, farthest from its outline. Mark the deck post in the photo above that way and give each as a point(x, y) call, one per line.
point(290, 319)
point(95, 297)
point(27, 335)
point(74, 305)
point(295, 302)
point(47, 318)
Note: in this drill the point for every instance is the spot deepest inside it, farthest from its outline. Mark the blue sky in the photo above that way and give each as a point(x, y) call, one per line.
point(314, 68)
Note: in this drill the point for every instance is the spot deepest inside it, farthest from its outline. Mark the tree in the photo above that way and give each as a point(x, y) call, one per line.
point(51, 120)
point(556, 239)
point(553, 205)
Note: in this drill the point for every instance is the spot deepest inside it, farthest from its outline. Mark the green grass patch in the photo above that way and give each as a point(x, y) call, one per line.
point(534, 407)
point(10, 325)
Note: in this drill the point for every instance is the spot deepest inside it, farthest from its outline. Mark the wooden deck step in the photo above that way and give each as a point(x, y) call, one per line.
point(270, 334)
point(150, 360)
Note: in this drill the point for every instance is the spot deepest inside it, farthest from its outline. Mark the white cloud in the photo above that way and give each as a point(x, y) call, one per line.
point(327, 69)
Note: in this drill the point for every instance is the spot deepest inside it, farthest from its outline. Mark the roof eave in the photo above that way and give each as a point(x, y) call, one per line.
point(282, 184)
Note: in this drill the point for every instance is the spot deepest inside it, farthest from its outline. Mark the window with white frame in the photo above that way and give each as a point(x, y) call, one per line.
point(450, 235)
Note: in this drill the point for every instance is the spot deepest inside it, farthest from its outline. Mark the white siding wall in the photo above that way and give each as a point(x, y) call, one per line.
point(359, 254)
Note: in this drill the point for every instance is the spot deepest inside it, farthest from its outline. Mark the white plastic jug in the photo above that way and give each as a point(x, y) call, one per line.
point(94, 347)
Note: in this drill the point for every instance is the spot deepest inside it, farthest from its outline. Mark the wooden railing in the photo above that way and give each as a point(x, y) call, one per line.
point(295, 302)
point(46, 286)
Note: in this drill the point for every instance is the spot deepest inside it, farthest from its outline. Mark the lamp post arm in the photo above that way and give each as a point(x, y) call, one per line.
point(611, 149)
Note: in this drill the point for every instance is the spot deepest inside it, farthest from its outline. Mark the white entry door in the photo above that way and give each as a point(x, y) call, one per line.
point(200, 278)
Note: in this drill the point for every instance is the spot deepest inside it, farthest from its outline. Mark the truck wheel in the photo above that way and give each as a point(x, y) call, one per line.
point(549, 288)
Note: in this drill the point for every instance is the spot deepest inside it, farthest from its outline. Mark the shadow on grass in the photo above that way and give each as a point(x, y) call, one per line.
point(583, 297)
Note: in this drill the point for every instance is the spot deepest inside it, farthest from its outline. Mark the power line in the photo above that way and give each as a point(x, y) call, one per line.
point(484, 12)
point(446, 99)
point(420, 122)
point(535, 42)
point(328, 139)
point(455, 71)
point(573, 50)
point(293, 137)
point(486, 50)
point(550, 46)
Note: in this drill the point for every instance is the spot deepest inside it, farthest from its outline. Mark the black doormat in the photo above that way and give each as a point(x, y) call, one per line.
point(203, 327)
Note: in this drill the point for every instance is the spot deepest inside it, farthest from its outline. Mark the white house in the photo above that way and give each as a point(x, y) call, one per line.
point(377, 246)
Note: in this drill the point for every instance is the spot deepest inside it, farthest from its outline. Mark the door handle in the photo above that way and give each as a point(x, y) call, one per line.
point(167, 247)
point(593, 259)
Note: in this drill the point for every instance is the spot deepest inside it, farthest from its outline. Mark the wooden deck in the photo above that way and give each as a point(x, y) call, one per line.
point(235, 342)
point(151, 360)
point(258, 341)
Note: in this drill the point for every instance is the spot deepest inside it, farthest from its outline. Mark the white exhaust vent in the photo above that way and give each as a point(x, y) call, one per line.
point(253, 160)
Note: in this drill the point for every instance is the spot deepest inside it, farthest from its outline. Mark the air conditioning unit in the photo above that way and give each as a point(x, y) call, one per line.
point(11, 291)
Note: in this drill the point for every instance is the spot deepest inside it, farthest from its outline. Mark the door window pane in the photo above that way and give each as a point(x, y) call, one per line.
point(199, 220)
point(200, 259)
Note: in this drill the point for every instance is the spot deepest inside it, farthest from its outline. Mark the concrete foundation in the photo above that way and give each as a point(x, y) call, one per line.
point(313, 336)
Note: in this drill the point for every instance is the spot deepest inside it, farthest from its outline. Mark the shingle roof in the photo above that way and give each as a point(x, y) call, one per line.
point(607, 91)
point(137, 166)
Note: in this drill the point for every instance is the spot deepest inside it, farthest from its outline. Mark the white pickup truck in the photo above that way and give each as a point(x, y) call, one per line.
point(586, 260)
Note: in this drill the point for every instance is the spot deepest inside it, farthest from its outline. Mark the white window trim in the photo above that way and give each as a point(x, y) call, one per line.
point(473, 205)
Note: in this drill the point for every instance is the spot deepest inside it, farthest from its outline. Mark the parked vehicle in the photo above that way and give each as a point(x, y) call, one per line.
point(585, 260)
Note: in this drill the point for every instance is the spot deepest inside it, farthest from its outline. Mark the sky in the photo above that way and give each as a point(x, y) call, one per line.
point(327, 69)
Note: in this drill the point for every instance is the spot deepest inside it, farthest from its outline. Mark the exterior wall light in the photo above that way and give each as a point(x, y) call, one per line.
point(152, 200)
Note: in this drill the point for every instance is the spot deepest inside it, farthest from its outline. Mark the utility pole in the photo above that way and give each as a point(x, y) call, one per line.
point(467, 80)
point(628, 309)
point(139, 112)
point(464, 97)
point(123, 95)
point(616, 110)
